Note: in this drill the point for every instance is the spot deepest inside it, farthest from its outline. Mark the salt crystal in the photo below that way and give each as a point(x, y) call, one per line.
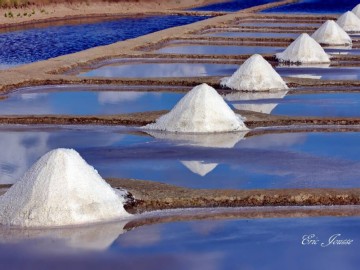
point(330, 33)
point(304, 50)
point(202, 110)
point(60, 189)
point(349, 22)
point(255, 74)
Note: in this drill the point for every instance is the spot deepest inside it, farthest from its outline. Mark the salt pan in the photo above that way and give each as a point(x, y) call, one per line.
point(304, 50)
point(255, 74)
point(60, 189)
point(330, 33)
point(202, 110)
point(349, 22)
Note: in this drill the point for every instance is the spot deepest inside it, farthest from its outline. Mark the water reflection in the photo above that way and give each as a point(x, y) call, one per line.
point(267, 108)
point(216, 140)
point(323, 73)
point(157, 70)
point(287, 160)
point(35, 101)
point(219, 49)
point(91, 237)
point(251, 34)
point(202, 244)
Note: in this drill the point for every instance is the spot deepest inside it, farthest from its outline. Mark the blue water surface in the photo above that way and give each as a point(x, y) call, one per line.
point(263, 243)
point(25, 46)
point(214, 161)
point(234, 5)
point(316, 6)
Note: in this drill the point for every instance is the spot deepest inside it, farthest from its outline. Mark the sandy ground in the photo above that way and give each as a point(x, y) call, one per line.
point(13, 16)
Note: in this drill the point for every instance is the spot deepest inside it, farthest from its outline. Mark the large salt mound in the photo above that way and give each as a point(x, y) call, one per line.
point(202, 110)
point(356, 10)
point(255, 74)
point(349, 22)
point(303, 50)
point(330, 33)
point(60, 189)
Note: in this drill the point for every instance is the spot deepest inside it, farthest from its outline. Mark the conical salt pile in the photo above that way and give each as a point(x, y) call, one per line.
point(304, 50)
point(349, 22)
point(330, 33)
point(202, 110)
point(60, 189)
point(255, 74)
point(356, 10)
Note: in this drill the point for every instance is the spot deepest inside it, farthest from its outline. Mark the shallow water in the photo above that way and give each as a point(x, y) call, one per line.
point(233, 5)
point(280, 24)
point(219, 49)
point(342, 73)
point(38, 101)
point(252, 34)
point(316, 6)
point(214, 161)
point(156, 70)
point(320, 104)
point(30, 45)
point(207, 244)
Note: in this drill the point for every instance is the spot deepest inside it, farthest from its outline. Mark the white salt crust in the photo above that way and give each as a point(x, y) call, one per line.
point(60, 189)
point(255, 74)
point(356, 10)
point(304, 50)
point(349, 22)
point(330, 33)
point(202, 110)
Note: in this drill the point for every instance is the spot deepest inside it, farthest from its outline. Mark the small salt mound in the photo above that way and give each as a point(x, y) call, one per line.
point(330, 33)
point(202, 110)
point(356, 10)
point(304, 50)
point(60, 189)
point(349, 22)
point(255, 74)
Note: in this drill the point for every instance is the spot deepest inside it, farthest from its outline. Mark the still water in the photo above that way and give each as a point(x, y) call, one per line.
point(233, 160)
point(198, 244)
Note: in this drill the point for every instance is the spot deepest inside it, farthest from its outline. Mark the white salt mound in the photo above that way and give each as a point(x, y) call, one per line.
point(304, 50)
point(202, 110)
point(349, 22)
point(255, 74)
point(60, 189)
point(330, 33)
point(356, 10)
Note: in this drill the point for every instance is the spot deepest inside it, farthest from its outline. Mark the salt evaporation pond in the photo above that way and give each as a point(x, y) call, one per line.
point(333, 73)
point(30, 45)
point(251, 34)
point(205, 244)
point(320, 104)
point(38, 101)
point(279, 24)
point(157, 70)
point(219, 49)
point(288, 160)
point(315, 6)
point(233, 5)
